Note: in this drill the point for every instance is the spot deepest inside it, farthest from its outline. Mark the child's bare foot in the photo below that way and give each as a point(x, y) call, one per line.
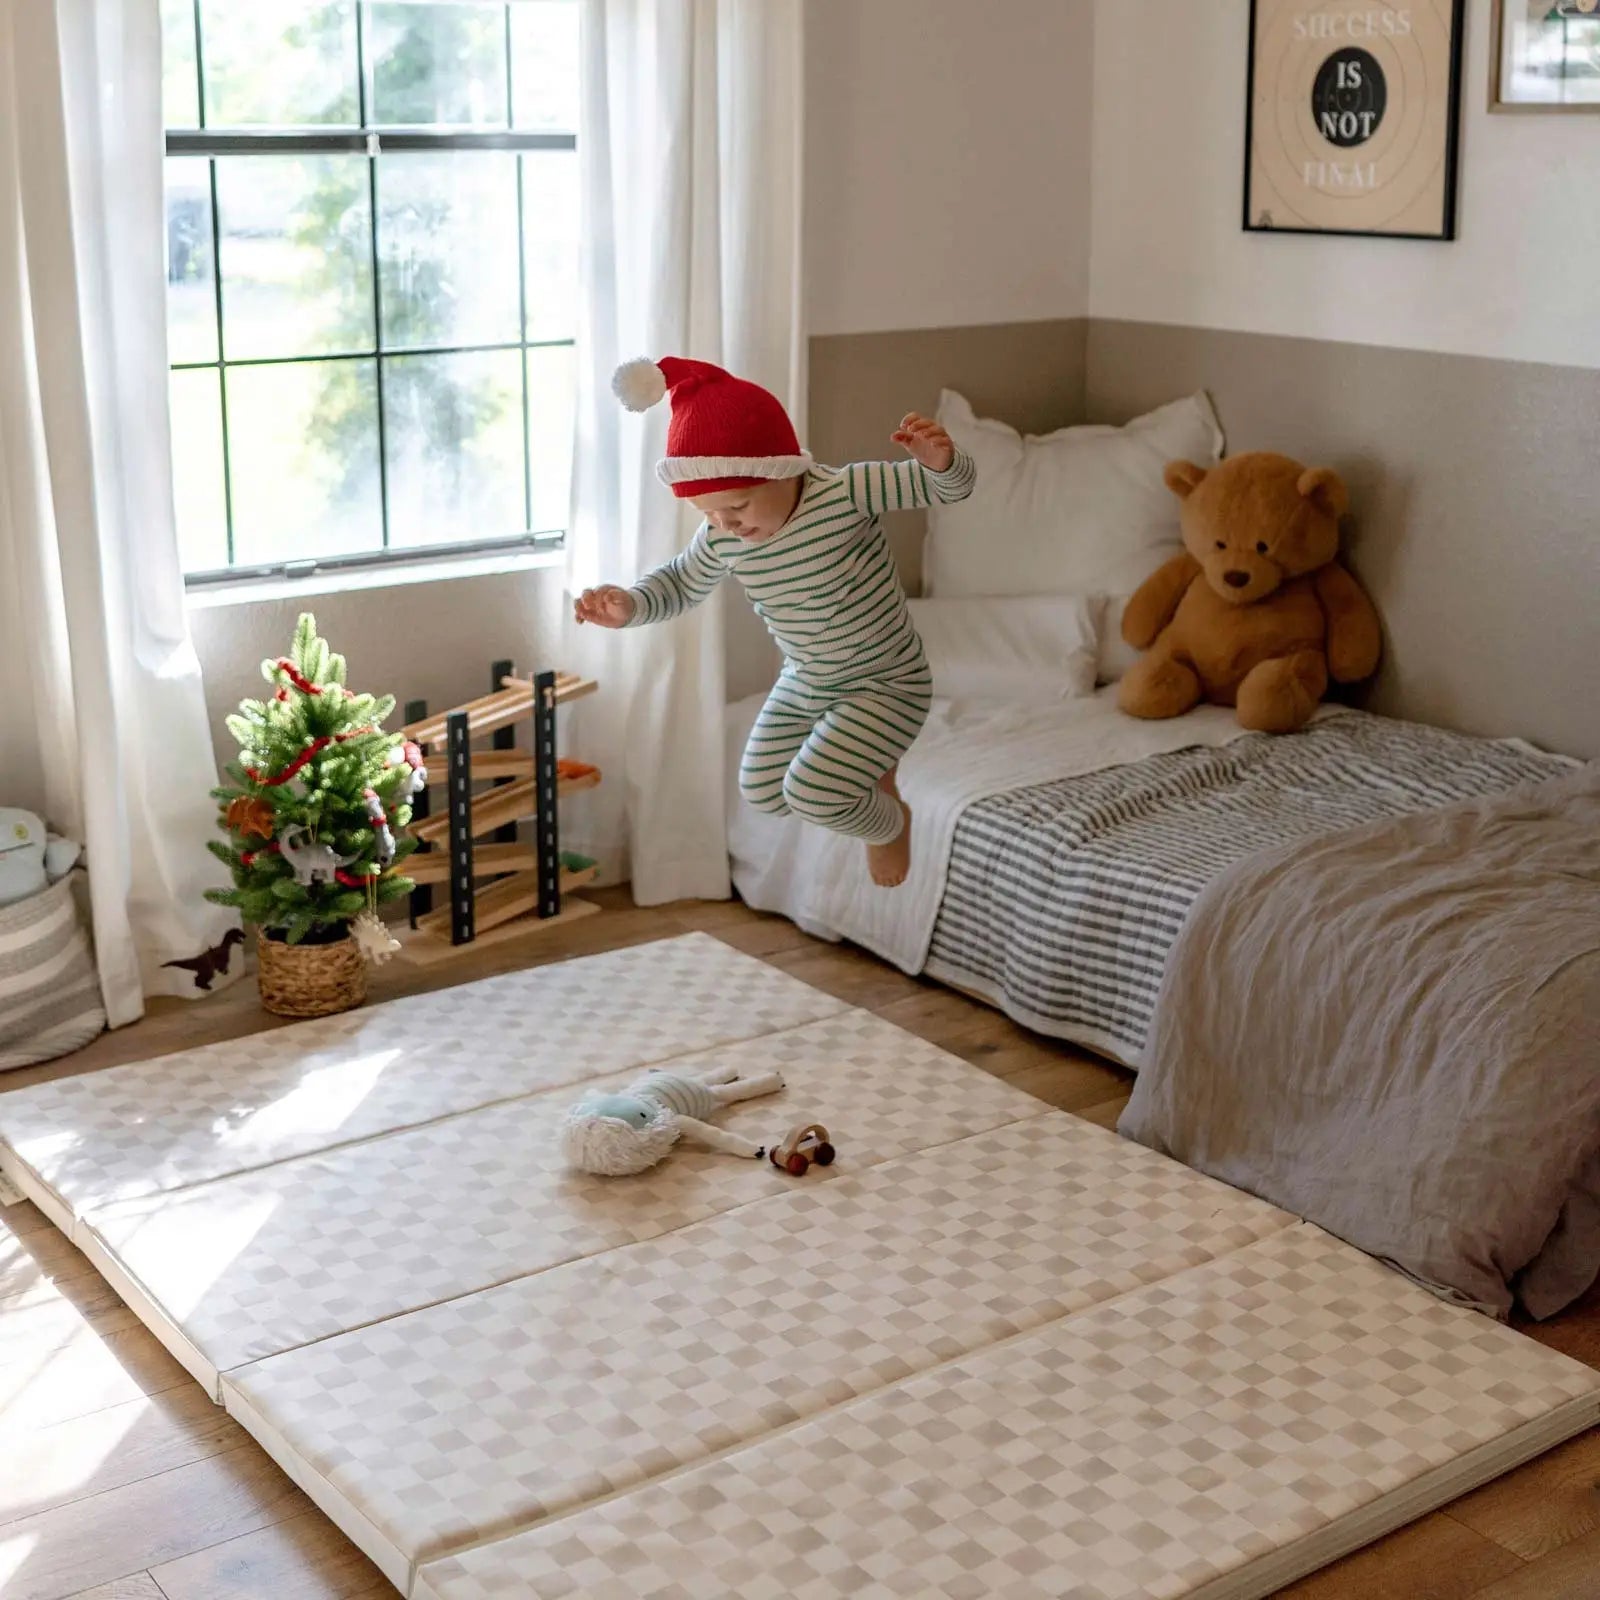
point(889, 863)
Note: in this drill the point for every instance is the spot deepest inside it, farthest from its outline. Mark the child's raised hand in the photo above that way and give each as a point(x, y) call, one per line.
point(607, 607)
point(927, 441)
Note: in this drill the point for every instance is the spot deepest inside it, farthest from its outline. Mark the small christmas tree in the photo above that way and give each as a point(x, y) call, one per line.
point(314, 806)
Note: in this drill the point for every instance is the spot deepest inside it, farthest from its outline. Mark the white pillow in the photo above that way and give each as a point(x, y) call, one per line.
point(1026, 651)
point(1118, 585)
point(1084, 510)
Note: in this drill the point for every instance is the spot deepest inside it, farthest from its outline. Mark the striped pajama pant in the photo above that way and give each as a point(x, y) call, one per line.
point(818, 753)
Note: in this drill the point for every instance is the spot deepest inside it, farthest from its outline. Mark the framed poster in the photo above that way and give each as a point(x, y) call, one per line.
point(1545, 56)
point(1352, 121)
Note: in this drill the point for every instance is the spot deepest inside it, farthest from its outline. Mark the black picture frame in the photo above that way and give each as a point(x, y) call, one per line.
point(1452, 150)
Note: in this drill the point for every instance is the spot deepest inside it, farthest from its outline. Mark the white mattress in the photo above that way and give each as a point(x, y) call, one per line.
point(993, 1351)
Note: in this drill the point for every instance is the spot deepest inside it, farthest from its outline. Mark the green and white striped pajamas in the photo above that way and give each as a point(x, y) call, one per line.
point(855, 688)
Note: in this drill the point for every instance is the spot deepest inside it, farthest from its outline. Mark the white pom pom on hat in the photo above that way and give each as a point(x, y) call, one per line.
point(725, 433)
point(639, 384)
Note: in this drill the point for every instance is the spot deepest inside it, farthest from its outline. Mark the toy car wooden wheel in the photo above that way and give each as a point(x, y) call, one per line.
point(803, 1147)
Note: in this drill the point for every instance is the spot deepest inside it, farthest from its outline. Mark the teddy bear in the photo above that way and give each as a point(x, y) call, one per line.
point(31, 858)
point(1256, 613)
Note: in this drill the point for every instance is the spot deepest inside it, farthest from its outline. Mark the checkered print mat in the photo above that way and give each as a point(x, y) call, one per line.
point(1146, 1448)
point(431, 1213)
point(993, 1351)
point(226, 1108)
point(471, 1418)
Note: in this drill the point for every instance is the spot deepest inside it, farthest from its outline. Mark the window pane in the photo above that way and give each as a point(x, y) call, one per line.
point(198, 495)
point(447, 241)
point(296, 255)
point(552, 414)
point(282, 62)
point(180, 82)
point(550, 221)
point(544, 61)
point(303, 449)
point(191, 280)
point(454, 431)
point(443, 65)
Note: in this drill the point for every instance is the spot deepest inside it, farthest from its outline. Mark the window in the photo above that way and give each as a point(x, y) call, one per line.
point(372, 277)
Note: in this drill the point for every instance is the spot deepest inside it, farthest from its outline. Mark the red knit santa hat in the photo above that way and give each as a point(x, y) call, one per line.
point(726, 433)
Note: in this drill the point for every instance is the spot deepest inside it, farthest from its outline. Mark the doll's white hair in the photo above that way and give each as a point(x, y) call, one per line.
point(612, 1148)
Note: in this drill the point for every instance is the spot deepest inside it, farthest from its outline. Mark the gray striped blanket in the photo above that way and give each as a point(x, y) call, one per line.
point(1063, 900)
point(49, 992)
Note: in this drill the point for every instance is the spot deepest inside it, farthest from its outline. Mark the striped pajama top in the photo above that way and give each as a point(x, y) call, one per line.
point(825, 584)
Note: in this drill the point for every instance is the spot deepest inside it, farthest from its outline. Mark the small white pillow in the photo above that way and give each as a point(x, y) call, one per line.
point(1084, 510)
point(1118, 584)
point(1025, 651)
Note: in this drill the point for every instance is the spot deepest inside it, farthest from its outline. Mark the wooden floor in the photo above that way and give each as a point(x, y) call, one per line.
point(120, 1481)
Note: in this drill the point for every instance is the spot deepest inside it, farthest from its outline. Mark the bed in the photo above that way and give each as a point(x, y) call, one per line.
point(1059, 847)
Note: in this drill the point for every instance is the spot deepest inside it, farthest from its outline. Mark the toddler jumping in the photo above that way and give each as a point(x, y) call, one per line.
point(807, 543)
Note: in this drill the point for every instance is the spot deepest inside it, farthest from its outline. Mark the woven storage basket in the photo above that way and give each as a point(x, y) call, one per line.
point(310, 980)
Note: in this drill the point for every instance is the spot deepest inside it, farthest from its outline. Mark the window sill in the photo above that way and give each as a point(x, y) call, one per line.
point(253, 591)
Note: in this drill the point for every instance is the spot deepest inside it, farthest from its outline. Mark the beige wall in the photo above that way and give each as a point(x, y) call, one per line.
point(947, 162)
point(1166, 240)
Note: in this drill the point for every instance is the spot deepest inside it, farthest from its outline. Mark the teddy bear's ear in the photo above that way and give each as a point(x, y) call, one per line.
point(1325, 489)
point(1184, 477)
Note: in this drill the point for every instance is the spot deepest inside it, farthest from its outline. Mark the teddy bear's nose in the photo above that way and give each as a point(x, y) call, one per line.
point(1236, 580)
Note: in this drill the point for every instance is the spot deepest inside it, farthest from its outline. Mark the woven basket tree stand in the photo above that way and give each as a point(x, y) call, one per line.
point(310, 980)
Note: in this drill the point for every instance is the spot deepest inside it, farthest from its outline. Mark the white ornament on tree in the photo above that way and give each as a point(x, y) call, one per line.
point(376, 942)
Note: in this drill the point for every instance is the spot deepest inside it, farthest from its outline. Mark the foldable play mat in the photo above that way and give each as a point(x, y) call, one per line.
point(994, 1352)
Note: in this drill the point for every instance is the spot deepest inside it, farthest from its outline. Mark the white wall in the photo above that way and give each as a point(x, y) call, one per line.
point(1166, 241)
point(947, 156)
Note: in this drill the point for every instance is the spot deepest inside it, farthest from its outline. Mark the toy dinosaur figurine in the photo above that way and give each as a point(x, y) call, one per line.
point(312, 863)
point(210, 964)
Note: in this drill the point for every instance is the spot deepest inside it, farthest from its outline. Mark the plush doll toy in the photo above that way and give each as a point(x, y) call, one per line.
point(31, 858)
point(1256, 613)
point(617, 1135)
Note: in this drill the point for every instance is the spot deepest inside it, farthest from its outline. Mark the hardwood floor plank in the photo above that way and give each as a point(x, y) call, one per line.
point(31, 1260)
point(1576, 1332)
point(23, 1218)
point(53, 1314)
point(58, 1552)
point(1106, 1113)
point(79, 1370)
point(43, 1468)
point(1434, 1559)
point(300, 1558)
point(849, 975)
point(136, 1586)
point(708, 915)
point(767, 938)
point(1570, 1573)
point(1543, 1505)
point(1078, 1086)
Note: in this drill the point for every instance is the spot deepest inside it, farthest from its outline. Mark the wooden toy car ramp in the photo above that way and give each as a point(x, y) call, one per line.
point(511, 881)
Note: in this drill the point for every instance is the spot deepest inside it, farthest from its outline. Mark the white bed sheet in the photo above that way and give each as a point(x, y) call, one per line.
point(968, 751)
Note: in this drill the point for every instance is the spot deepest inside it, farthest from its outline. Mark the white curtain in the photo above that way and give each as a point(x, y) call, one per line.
point(100, 688)
point(690, 154)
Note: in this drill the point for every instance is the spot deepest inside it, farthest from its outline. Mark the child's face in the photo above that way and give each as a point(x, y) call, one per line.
point(752, 514)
